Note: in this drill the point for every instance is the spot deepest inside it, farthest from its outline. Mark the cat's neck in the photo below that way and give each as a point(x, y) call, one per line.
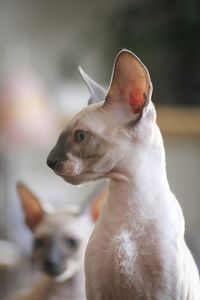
point(140, 185)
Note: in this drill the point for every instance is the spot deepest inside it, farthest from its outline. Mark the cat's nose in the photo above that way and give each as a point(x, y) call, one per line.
point(52, 267)
point(52, 160)
point(51, 163)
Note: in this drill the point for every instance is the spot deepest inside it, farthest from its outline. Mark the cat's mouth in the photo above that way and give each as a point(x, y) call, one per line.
point(78, 179)
point(72, 172)
point(81, 178)
point(72, 269)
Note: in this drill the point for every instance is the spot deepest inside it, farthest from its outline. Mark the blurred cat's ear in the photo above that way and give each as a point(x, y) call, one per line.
point(98, 203)
point(33, 212)
point(97, 92)
point(93, 204)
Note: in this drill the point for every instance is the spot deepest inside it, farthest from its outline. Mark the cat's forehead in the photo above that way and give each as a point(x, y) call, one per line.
point(55, 222)
point(93, 118)
point(60, 224)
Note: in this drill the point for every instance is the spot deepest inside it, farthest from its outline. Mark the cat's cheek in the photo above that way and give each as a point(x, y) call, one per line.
point(72, 167)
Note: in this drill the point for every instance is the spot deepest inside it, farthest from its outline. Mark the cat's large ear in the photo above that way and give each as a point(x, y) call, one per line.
point(33, 212)
point(97, 92)
point(130, 87)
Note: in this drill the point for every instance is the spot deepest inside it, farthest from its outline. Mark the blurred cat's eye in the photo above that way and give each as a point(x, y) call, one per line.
point(38, 242)
point(71, 242)
point(80, 135)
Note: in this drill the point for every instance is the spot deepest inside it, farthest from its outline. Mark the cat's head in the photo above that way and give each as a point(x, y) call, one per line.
point(59, 238)
point(96, 142)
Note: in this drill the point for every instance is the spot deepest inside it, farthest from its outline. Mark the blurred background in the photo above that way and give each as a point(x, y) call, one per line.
point(41, 45)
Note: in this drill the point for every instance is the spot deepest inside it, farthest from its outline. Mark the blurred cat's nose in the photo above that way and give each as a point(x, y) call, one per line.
point(52, 267)
point(51, 163)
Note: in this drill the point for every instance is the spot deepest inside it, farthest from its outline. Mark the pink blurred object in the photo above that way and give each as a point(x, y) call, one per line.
point(25, 114)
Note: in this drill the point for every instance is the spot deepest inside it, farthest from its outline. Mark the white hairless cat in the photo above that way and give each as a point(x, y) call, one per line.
point(137, 249)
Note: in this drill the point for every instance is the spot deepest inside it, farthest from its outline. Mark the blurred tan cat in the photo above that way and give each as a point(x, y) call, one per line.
point(59, 242)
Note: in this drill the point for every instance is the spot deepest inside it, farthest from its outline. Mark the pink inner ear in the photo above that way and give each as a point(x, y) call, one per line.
point(33, 219)
point(136, 100)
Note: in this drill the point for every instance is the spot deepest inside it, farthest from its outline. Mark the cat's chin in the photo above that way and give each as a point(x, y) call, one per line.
point(79, 179)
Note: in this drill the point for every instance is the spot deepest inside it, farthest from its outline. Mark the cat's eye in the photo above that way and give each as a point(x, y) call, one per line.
point(38, 242)
point(71, 242)
point(80, 135)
